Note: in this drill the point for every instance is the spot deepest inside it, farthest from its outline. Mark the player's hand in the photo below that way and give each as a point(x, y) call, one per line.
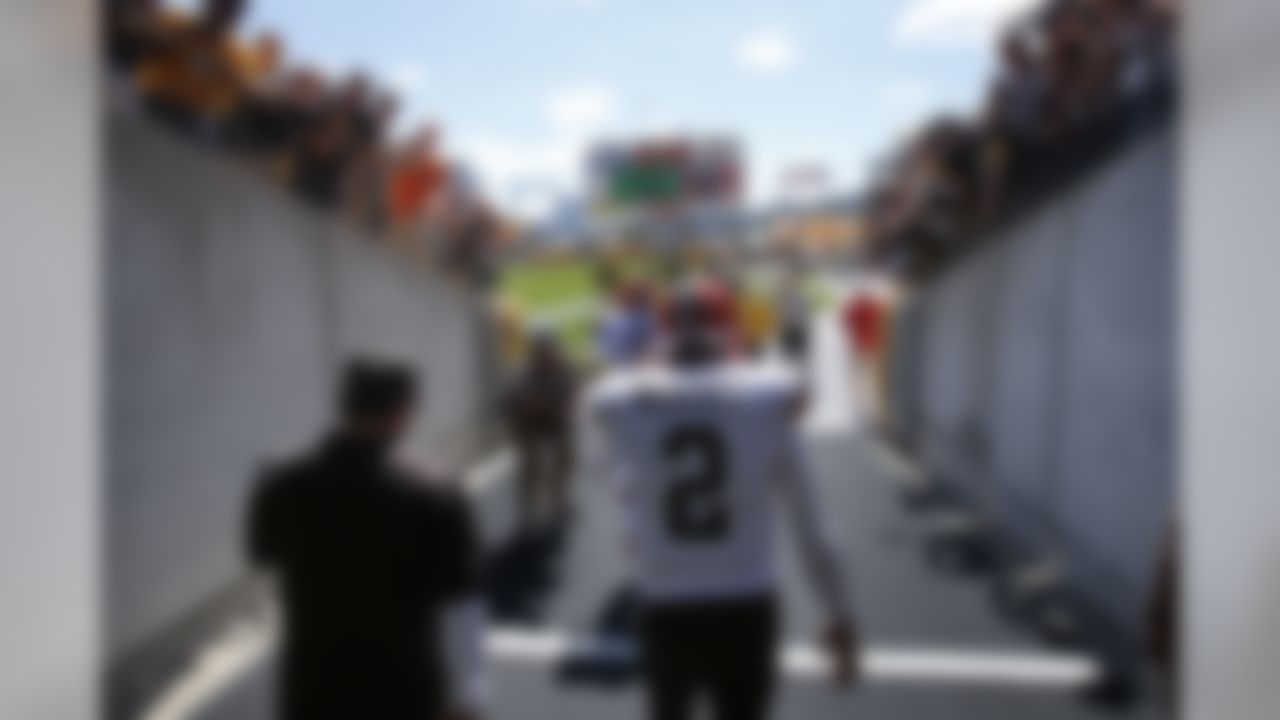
point(844, 649)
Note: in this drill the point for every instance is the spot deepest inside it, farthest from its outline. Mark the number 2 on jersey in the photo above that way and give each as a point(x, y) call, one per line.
point(695, 504)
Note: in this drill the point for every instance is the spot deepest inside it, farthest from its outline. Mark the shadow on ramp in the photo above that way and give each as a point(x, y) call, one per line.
point(610, 658)
point(521, 574)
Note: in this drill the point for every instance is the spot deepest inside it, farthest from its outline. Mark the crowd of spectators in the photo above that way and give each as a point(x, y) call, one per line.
point(1074, 82)
point(326, 139)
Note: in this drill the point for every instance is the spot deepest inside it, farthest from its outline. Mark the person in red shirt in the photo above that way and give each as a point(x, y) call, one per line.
point(864, 320)
point(417, 179)
point(864, 325)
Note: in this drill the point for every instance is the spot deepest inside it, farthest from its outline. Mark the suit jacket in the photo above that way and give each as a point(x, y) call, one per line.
point(366, 555)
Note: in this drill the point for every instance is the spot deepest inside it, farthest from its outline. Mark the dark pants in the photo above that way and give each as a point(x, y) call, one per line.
point(720, 651)
point(366, 685)
point(545, 464)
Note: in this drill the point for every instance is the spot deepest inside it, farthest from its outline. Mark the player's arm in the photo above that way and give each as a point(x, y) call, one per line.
point(822, 562)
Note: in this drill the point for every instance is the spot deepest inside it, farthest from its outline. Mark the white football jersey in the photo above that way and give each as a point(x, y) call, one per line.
point(700, 456)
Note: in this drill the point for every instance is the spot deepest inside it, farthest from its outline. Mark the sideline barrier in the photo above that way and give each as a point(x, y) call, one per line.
point(230, 308)
point(1035, 379)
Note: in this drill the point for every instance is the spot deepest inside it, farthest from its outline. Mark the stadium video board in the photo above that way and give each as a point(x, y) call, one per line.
point(665, 174)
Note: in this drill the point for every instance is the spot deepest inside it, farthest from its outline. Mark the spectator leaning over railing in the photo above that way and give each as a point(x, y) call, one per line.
point(257, 127)
point(1072, 82)
point(1149, 64)
point(959, 148)
point(416, 183)
point(318, 158)
point(325, 141)
point(371, 163)
point(195, 73)
point(134, 30)
point(924, 210)
point(337, 156)
point(1102, 61)
point(462, 230)
point(349, 131)
point(1015, 127)
point(280, 120)
point(469, 249)
point(1018, 93)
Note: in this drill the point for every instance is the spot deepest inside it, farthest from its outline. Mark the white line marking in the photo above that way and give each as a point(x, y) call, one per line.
point(957, 667)
point(220, 666)
point(549, 647)
point(488, 472)
point(566, 312)
point(926, 666)
point(231, 658)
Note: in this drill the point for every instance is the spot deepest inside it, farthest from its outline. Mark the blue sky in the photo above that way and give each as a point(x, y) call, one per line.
point(521, 87)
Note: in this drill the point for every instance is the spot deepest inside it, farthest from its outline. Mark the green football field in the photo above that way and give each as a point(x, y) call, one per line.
point(561, 295)
point(540, 286)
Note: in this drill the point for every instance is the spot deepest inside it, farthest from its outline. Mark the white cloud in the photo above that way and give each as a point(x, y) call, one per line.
point(957, 23)
point(528, 176)
point(332, 66)
point(410, 82)
point(659, 121)
point(908, 98)
point(406, 77)
point(578, 110)
point(769, 52)
point(772, 167)
point(524, 178)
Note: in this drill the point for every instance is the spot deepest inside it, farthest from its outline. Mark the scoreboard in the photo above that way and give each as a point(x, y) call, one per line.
point(665, 174)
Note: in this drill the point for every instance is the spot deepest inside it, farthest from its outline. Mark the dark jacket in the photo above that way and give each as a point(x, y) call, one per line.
point(366, 554)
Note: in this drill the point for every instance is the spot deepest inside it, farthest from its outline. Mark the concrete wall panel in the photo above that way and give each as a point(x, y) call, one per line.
point(1027, 354)
point(229, 309)
point(1118, 411)
point(1047, 377)
point(957, 369)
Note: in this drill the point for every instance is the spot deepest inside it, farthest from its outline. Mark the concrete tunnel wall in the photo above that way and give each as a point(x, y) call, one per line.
point(229, 309)
point(1037, 378)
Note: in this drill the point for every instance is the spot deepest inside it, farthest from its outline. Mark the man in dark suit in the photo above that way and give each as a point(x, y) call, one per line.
point(367, 555)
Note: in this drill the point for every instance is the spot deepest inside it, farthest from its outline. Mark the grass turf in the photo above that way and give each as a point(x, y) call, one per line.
point(561, 295)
